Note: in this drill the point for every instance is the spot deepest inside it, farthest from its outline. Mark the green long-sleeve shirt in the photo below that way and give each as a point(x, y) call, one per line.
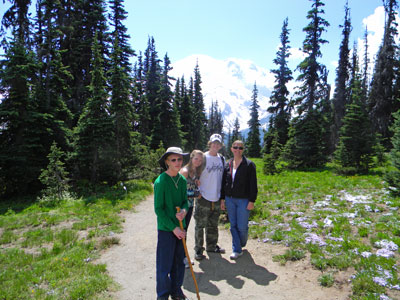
point(166, 198)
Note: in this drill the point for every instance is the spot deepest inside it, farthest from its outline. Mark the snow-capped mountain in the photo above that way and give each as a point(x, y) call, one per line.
point(231, 83)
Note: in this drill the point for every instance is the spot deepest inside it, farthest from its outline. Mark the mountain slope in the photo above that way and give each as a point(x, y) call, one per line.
point(230, 82)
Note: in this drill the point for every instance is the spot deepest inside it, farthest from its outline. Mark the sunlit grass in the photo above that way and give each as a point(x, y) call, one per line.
point(48, 253)
point(341, 221)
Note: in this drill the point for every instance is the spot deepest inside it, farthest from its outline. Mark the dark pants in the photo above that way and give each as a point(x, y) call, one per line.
point(170, 269)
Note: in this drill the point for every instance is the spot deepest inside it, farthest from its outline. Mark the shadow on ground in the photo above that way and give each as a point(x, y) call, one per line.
point(234, 273)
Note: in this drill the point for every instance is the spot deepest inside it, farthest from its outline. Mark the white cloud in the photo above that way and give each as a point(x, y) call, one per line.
point(296, 54)
point(375, 25)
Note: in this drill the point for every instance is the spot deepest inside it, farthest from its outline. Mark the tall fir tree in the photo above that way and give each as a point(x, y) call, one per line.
point(365, 69)
point(341, 93)
point(186, 112)
point(152, 71)
point(280, 109)
point(79, 21)
point(21, 152)
point(119, 74)
point(141, 105)
point(169, 115)
point(253, 143)
point(52, 89)
point(200, 119)
point(94, 131)
point(307, 147)
point(383, 98)
point(22, 155)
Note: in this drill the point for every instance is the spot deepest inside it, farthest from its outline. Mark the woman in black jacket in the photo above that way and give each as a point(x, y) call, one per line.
point(239, 189)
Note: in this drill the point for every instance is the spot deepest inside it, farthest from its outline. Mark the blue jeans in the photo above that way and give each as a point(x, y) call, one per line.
point(170, 269)
point(239, 218)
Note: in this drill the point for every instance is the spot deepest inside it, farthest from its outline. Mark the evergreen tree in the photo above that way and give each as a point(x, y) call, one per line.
point(365, 73)
point(21, 152)
point(200, 119)
point(215, 120)
point(229, 137)
point(356, 140)
point(93, 132)
point(121, 107)
point(253, 144)
point(341, 93)
point(393, 177)
point(383, 98)
point(141, 105)
point(79, 20)
point(186, 113)
point(177, 94)
point(307, 148)
point(304, 147)
point(280, 106)
point(152, 71)
point(55, 176)
point(17, 18)
point(169, 116)
point(236, 135)
point(52, 90)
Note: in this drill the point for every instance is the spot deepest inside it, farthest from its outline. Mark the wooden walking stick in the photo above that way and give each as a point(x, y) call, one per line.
point(188, 258)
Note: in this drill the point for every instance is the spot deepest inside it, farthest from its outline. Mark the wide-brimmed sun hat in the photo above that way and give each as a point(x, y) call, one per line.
point(170, 150)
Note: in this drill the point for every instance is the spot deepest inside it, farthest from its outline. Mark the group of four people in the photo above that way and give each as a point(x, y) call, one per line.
point(208, 185)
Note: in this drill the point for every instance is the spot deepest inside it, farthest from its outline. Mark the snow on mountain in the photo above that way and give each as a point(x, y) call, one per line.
point(230, 82)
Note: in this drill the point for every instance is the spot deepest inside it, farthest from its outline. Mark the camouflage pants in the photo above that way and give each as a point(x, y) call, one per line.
point(206, 215)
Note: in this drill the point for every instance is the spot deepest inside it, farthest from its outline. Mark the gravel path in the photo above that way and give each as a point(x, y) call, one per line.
point(253, 276)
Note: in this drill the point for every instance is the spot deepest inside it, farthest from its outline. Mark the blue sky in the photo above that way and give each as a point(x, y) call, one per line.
point(244, 29)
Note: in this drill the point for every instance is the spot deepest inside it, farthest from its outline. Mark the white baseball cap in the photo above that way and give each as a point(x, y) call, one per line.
point(216, 138)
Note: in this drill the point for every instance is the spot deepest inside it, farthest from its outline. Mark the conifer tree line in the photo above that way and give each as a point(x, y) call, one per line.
point(70, 90)
point(310, 128)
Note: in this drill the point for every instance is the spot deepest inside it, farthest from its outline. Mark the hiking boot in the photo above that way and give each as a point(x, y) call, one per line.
point(181, 297)
point(217, 249)
point(199, 255)
point(235, 255)
point(186, 262)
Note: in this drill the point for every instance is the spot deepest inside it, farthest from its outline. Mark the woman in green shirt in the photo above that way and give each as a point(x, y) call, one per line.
point(170, 192)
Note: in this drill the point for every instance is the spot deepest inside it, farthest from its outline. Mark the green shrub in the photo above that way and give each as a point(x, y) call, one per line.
point(326, 280)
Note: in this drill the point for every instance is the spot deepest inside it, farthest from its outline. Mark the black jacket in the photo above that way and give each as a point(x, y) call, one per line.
point(245, 183)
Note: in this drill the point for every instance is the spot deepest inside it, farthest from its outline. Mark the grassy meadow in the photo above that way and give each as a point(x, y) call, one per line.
point(337, 223)
point(48, 252)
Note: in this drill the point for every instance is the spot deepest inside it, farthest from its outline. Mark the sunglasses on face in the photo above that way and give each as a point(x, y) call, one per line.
point(175, 159)
point(236, 147)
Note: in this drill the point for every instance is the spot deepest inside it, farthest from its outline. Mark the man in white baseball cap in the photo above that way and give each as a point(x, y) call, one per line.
point(207, 208)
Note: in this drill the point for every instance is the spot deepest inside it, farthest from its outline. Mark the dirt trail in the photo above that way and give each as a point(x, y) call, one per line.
point(253, 276)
